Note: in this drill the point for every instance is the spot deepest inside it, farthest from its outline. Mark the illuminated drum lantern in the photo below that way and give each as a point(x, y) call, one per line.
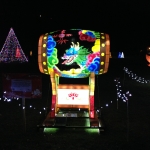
point(60, 52)
point(148, 56)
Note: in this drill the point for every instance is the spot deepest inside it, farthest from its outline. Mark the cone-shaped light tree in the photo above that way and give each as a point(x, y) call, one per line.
point(12, 51)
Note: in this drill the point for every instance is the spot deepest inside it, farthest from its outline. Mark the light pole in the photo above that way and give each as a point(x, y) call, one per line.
point(127, 101)
point(24, 112)
point(127, 122)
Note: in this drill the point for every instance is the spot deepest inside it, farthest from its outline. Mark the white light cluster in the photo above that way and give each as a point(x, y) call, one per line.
point(120, 94)
point(135, 77)
point(5, 99)
point(8, 99)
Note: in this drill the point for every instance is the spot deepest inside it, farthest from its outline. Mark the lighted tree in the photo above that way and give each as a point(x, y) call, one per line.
point(12, 51)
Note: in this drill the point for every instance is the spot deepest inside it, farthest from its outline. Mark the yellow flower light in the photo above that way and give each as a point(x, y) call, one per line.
point(44, 45)
point(45, 37)
point(102, 54)
point(102, 63)
point(44, 54)
point(44, 63)
point(103, 45)
point(103, 37)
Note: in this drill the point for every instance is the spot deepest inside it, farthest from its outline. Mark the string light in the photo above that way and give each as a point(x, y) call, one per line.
point(135, 77)
point(11, 51)
point(8, 100)
point(5, 99)
point(120, 94)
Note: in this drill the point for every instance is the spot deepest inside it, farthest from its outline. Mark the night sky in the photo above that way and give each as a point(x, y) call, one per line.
point(127, 23)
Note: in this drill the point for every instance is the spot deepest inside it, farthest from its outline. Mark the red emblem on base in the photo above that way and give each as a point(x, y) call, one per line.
point(73, 95)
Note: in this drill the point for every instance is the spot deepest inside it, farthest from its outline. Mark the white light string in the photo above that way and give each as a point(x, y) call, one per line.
point(135, 77)
point(5, 99)
point(120, 95)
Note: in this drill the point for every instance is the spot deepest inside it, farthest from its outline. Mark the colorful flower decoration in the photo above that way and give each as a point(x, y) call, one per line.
point(96, 47)
point(51, 52)
point(87, 36)
point(91, 57)
point(91, 34)
point(50, 45)
point(95, 65)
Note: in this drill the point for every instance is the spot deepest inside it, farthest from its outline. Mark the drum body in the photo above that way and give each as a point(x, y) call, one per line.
point(74, 53)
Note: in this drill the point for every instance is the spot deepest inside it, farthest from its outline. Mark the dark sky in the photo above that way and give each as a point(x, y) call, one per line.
point(127, 23)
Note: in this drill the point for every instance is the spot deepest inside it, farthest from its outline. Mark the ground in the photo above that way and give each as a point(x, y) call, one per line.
point(117, 134)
